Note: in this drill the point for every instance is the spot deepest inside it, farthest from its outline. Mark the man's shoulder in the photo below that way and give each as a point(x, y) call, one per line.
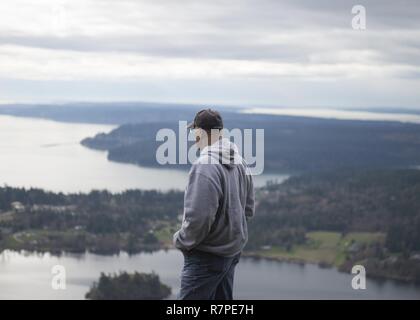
point(206, 165)
point(205, 158)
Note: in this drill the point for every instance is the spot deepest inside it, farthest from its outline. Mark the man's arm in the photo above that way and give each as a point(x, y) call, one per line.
point(250, 198)
point(200, 207)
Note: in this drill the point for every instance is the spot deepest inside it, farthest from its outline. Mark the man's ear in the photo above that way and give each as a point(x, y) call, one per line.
point(198, 136)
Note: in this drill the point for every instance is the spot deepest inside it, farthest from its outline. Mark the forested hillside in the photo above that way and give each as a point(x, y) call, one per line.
point(292, 144)
point(333, 218)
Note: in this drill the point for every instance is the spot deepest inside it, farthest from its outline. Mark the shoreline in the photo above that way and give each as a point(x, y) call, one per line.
point(326, 265)
point(245, 254)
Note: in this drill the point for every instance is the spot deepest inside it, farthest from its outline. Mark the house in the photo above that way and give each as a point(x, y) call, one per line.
point(354, 248)
point(17, 207)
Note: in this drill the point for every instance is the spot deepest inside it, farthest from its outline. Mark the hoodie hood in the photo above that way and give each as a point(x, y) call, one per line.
point(224, 152)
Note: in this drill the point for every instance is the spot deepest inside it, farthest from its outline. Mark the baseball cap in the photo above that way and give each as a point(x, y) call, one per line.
point(207, 119)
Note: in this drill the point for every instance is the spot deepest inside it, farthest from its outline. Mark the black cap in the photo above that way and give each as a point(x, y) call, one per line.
point(207, 119)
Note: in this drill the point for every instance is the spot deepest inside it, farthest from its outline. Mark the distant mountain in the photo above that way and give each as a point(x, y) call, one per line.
point(107, 113)
point(292, 144)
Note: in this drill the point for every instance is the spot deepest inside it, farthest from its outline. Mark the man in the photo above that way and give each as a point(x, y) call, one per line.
point(219, 199)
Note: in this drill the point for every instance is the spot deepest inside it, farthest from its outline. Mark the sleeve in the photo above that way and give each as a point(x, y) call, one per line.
point(201, 203)
point(250, 199)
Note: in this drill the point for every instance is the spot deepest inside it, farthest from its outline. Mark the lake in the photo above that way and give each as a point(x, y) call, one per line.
point(28, 276)
point(48, 155)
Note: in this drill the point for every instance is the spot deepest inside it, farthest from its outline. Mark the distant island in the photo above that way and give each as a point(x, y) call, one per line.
point(334, 218)
point(126, 286)
point(292, 144)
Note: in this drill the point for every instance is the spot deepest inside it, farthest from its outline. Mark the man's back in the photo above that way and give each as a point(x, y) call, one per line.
point(218, 200)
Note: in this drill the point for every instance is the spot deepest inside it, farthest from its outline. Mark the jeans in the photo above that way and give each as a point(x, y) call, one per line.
point(206, 276)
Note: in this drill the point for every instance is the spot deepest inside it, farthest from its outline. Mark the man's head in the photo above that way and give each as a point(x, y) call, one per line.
point(207, 127)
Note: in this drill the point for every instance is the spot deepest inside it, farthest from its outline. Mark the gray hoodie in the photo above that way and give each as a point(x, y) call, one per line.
point(218, 201)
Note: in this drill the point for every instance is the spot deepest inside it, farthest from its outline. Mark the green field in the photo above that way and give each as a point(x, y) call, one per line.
point(164, 232)
point(322, 247)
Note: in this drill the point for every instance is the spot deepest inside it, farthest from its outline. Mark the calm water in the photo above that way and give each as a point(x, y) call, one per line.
point(338, 114)
point(48, 155)
point(28, 276)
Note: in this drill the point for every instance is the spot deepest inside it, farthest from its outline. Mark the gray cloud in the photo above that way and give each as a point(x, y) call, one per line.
point(303, 40)
point(290, 31)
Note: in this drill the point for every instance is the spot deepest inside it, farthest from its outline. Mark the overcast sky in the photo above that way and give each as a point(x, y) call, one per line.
point(244, 52)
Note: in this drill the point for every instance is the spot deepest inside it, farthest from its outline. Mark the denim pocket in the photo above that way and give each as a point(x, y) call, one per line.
point(201, 263)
